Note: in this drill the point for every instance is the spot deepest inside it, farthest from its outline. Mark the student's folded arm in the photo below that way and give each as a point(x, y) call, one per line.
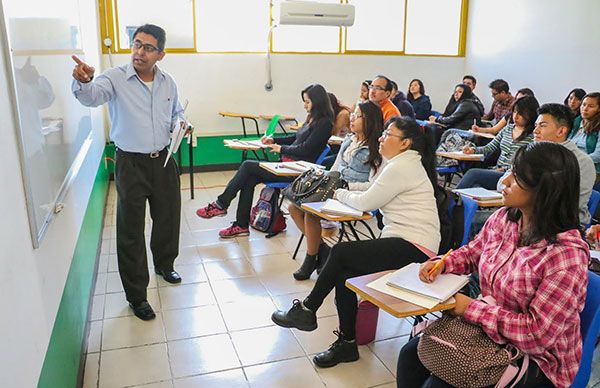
point(381, 192)
point(93, 93)
point(553, 308)
point(364, 186)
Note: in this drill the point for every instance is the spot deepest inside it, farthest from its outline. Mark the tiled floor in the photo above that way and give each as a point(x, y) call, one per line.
point(214, 330)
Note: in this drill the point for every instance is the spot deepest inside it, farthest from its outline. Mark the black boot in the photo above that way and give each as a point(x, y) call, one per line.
point(298, 317)
point(339, 351)
point(303, 273)
point(322, 256)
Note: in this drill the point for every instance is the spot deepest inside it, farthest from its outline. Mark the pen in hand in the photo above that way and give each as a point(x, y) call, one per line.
point(432, 270)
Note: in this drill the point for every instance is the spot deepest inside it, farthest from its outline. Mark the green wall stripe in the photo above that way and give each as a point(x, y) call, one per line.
point(63, 357)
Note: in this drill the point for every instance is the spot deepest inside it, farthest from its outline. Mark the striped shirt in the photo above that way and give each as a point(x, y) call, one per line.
point(539, 290)
point(508, 147)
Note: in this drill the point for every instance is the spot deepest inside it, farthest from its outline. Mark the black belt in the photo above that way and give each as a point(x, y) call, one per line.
point(151, 155)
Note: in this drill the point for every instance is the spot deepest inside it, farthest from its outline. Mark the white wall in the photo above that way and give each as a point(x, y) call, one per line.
point(235, 82)
point(550, 46)
point(32, 281)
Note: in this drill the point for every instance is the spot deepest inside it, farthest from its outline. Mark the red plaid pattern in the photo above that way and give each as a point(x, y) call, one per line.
point(540, 290)
point(499, 109)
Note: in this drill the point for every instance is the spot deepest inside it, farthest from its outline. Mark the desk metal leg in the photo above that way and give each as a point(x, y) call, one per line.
point(282, 127)
point(368, 228)
point(298, 247)
point(244, 126)
point(191, 157)
point(256, 124)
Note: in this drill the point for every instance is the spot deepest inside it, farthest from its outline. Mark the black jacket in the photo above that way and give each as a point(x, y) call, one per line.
point(308, 143)
point(405, 107)
point(422, 107)
point(465, 112)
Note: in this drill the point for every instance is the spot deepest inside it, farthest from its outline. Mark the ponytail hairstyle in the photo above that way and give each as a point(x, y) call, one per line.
point(373, 127)
point(419, 142)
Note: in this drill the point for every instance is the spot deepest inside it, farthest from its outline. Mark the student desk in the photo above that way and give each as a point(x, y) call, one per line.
point(243, 117)
point(460, 156)
point(241, 146)
point(295, 127)
point(493, 203)
point(276, 168)
point(282, 119)
point(390, 304)
point(335, 140)
point(315, 209)
point(482, 134)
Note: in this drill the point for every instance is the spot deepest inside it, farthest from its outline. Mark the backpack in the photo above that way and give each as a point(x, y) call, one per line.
point(451, 214)
point(451, 142)
point(266, 216)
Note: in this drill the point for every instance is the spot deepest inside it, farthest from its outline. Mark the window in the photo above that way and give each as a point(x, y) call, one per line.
point(378, 26)
point(396, 27)
point(436, 32)
point(232, 26)
point(320, 39)
point(131, 14)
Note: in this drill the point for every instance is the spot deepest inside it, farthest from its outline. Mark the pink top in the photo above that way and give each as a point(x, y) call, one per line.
point(539, 290)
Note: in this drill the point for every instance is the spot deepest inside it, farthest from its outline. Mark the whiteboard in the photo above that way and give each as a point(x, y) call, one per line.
point(54, 130)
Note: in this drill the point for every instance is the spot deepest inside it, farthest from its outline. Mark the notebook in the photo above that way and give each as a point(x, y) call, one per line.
point(480, 194)
point(333, 206)
point(444, 286)
point(301, 166)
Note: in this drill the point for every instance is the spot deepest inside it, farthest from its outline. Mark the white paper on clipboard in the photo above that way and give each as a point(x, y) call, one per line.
point(177, 136)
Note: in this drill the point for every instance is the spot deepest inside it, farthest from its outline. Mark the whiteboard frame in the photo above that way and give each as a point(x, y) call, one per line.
point(37, 233)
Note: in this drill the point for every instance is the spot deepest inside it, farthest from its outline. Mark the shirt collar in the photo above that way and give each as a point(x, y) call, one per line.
point(132, 73)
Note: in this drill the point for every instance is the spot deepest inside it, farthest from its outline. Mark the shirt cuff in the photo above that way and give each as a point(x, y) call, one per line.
point(475, 311)
point(77, 86)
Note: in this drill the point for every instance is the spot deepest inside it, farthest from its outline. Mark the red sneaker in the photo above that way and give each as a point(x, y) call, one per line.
point(233, 231)
point(211, 210)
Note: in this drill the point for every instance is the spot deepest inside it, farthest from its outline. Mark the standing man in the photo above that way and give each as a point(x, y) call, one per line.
point(380, 92)
point(144, 107)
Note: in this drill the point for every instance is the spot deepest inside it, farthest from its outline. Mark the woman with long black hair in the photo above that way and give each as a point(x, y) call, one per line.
point(306, 145)
point(404, 193)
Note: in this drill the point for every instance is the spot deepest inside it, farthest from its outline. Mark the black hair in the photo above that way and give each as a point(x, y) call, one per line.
point(420, 143)
point(409, 95)
point(467, 92)
point(373, 127)
point(593, 125)
point(321, 105)
point(527, 107)
point(526, 92)
point(394, 85)
point(471, 78)
point(550, 172)
point(579, 94)
point(388, 82)
point(335, 104)
point(560, 113)
point(158, 33)
point(366, 83)
point(499, 85)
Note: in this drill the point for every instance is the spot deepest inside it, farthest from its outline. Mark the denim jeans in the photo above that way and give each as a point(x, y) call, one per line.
point(488, 179)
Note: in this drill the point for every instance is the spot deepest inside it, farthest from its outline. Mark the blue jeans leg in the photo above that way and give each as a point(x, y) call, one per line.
point(488, 179)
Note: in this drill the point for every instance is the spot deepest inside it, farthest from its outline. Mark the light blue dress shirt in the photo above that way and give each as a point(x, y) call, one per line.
point(141, 119)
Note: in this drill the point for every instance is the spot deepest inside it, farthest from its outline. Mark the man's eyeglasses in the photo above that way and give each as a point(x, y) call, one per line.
point(387, 133)
point(376, 87)
point(354, 116)
point(147, 47)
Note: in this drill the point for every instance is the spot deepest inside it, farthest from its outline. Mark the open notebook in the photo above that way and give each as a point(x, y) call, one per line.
point(480, 194)
point(335, 207)
point(444, 286)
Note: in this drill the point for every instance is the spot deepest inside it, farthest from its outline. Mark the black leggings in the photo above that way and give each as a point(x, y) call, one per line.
point(357, 258)
point(244, 181)
point(411, 373)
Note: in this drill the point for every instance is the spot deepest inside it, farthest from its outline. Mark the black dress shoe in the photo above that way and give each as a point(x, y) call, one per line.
point(143, 310)
point(298, 317)
point(339, 351)
point(170, 276)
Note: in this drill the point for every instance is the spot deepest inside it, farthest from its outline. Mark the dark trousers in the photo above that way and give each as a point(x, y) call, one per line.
point(488, 179)
point(411, 373)
point(356, 258)
point(244, 181)
point(140, 178)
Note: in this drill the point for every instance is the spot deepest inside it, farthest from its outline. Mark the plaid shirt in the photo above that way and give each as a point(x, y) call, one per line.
point(539, 290)
point(500, 109)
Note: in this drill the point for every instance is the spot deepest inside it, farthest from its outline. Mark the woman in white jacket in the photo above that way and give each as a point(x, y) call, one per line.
point(404, 193)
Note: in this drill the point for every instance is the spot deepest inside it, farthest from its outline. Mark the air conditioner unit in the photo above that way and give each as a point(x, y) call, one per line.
point(315, 13)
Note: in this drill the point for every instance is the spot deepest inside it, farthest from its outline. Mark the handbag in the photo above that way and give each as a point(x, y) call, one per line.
point(463, 355)
point(314, 185)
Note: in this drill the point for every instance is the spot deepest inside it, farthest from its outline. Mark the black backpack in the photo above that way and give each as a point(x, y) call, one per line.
point(451, 223)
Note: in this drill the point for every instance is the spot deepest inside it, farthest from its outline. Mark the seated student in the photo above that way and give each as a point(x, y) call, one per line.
point(358, 163)
point(404, 192)
point(341, 114)
point(531, 259)
point(465, 112)
point(471, 82)
point(399, 99)
point(380, 91)
point(586, 127)
point(508, 140)
point(364, 94)
point(418, 99)
point(503, 101)
point(574, 99)
point(306, 144)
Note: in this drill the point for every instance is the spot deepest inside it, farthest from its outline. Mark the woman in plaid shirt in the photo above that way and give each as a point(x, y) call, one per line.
point(531, 258)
